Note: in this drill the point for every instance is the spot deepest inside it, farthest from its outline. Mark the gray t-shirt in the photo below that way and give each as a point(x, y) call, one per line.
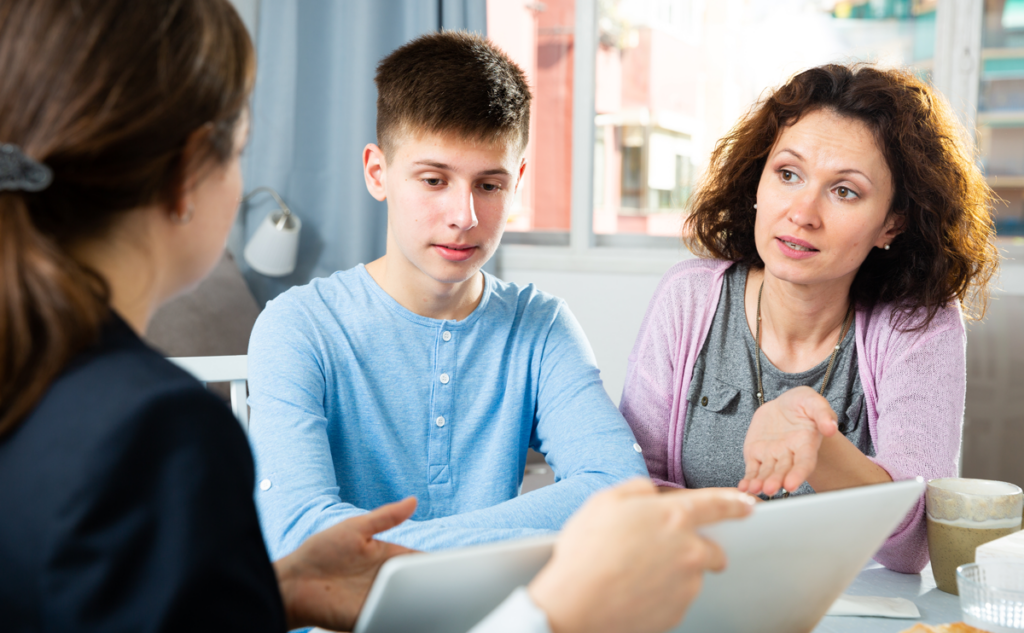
point(723, 393)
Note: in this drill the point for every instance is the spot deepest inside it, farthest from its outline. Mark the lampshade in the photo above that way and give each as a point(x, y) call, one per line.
point(274, 247)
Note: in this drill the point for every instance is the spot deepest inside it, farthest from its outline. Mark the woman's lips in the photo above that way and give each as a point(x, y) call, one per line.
point(794, 248)
point(455, 252)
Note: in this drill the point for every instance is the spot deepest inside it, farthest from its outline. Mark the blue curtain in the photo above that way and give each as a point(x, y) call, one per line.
point(313, 111)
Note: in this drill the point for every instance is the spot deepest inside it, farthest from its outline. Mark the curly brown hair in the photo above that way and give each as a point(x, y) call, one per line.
point(946, 250)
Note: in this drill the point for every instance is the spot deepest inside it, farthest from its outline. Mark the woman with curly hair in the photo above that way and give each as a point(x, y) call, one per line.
point(817, 342)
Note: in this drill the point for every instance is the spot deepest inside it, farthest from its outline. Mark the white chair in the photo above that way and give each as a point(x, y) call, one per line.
point(230, 369)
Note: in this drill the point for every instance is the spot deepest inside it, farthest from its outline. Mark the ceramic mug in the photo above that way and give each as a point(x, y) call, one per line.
point(963, 514)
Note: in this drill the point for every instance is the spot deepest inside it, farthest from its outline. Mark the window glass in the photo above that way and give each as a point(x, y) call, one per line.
point(1001, 110)
point(539, 37)
point(672, 76)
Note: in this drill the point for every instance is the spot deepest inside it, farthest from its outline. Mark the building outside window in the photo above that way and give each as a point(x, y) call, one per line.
point(1001, 110)
point(672, 76)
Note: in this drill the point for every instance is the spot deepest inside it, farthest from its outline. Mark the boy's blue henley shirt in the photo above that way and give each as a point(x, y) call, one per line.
point(357, 402)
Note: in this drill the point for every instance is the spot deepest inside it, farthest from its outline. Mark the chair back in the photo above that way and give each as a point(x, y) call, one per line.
point(229, 369)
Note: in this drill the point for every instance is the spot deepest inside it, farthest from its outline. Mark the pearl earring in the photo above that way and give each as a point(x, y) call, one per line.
point(886, 247)
point(755, 205)
point(186, 217)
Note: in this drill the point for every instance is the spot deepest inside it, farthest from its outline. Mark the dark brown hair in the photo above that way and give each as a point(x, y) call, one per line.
point(105, 93)
point(451, 82)
point(946, 250)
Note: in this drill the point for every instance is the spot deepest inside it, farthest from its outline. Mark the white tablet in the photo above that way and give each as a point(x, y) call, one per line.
point(450, 591)
point(788, 562)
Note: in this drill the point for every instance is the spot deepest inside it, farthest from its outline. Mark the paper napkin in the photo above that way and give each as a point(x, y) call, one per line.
point(876, 606)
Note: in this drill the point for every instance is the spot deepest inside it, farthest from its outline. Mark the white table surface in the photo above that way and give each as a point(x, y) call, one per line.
point(936, 607)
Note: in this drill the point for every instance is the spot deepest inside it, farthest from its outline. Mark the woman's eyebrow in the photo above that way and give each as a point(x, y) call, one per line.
point(856, 171)
point(791, 151)
point(849, 170)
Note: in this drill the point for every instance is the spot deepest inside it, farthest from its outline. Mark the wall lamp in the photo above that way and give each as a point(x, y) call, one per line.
point(274, 248)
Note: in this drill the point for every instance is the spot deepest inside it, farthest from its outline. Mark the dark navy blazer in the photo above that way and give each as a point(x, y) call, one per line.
point(126, 505)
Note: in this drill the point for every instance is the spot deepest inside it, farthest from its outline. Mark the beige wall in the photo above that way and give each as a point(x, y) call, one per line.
point(994, 424)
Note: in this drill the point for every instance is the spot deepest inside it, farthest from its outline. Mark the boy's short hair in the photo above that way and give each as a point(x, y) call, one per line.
point(451, 82)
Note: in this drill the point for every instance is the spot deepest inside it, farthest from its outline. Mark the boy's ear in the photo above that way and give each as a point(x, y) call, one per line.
point(375, 171)
point(522, 170)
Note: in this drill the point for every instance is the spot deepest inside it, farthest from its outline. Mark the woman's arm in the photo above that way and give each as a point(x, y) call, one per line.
point(661, 363)
point(647, 396)
point(921, 384)
point(842, 465)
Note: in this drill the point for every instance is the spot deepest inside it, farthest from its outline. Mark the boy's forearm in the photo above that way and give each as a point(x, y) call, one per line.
point(538, 512)
point(285, 533)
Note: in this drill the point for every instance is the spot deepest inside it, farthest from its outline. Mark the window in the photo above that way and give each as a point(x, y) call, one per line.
point(539, 36)
point(670, 77)
point(1001, 110)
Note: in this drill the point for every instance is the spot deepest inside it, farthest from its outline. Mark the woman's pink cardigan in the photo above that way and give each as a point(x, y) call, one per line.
point(914, 385)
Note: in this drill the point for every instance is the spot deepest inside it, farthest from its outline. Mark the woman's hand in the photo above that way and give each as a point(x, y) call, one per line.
point(631, 559)
point(325, 582)
point(781, 449)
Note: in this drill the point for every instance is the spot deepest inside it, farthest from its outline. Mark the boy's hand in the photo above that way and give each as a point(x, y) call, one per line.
point(324, 582)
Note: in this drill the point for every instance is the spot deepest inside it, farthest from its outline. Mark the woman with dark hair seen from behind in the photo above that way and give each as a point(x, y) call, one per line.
point(817, 343)
point(127, 498)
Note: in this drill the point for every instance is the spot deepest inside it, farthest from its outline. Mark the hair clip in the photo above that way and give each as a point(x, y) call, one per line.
point(20, 173)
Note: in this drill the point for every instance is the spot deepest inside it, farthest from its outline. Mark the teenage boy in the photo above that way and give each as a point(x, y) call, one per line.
point(418, 374)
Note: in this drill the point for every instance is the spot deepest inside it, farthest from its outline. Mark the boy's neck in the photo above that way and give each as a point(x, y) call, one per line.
point(422, 295)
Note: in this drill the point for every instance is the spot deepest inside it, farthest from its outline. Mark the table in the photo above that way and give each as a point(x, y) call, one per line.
point(936, 607)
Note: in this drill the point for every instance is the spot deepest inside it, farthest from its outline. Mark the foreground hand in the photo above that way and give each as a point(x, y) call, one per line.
point(781, 449)
point(325, 582)
point(630, 559)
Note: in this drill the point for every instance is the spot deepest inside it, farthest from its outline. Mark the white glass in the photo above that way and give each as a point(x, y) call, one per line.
point(992, 595)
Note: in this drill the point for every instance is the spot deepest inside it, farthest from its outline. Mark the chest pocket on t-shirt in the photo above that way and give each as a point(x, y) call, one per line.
point(849, 421)
point(715, 396)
